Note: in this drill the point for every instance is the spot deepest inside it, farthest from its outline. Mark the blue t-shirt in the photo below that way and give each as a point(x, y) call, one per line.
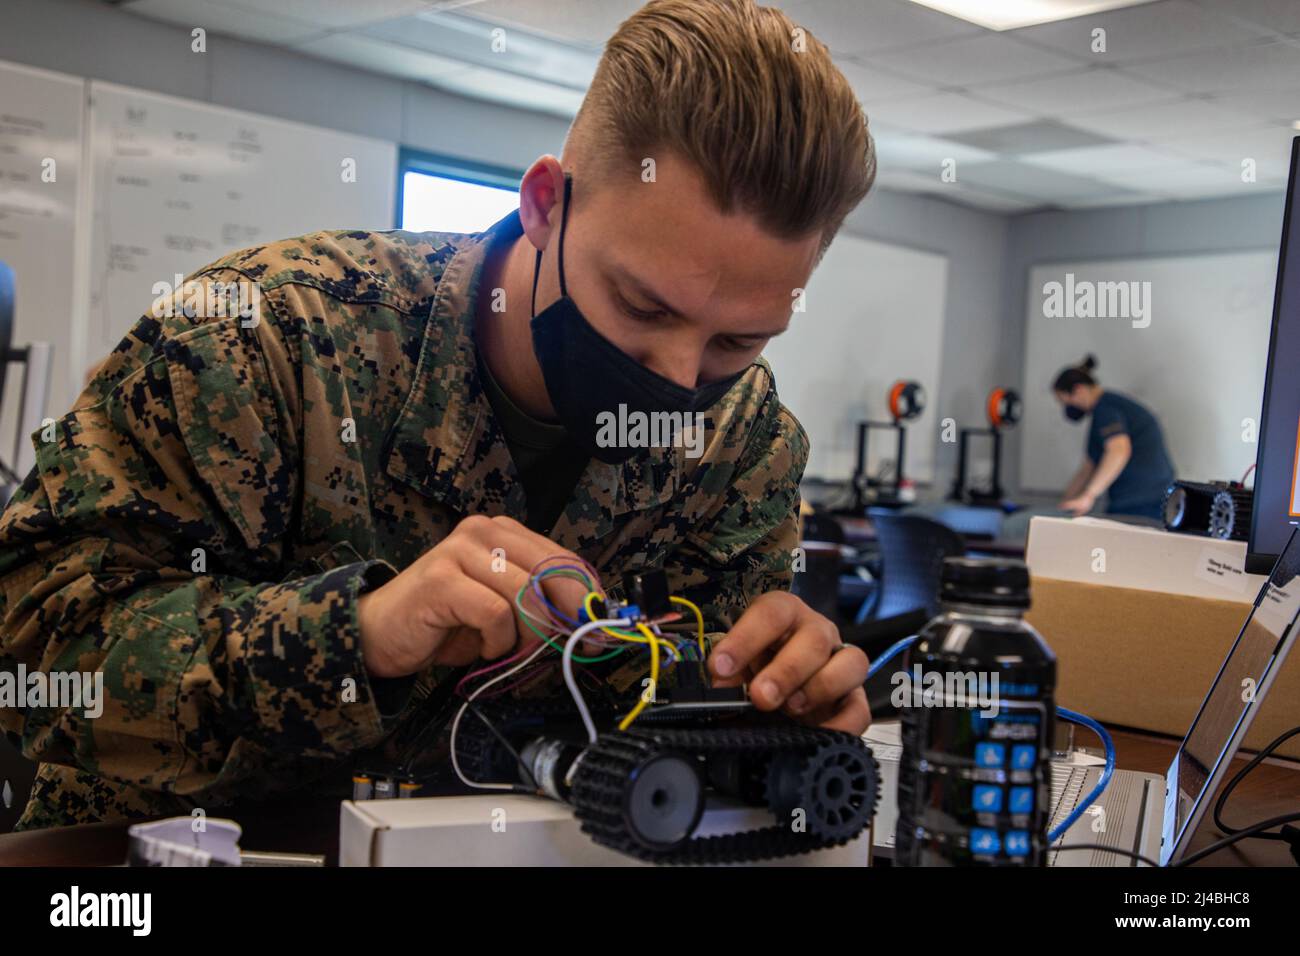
point(1149, 471)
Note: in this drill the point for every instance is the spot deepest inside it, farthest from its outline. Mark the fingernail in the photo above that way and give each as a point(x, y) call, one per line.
point(724, 665)
point(798, 701)
point(768, 690)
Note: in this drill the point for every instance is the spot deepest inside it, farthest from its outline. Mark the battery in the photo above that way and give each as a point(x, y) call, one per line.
point(362, 787)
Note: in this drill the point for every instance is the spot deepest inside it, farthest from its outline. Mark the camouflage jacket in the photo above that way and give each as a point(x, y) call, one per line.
point(199, 526)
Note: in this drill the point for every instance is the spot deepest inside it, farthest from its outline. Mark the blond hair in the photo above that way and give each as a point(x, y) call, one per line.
point(750, 99)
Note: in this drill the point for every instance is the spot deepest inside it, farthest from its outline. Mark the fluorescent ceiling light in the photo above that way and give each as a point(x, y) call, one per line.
point(1012, 14)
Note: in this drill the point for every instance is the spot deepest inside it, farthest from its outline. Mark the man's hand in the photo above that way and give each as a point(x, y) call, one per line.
point(1080, 504)
point(793, 658)
point(456, 603)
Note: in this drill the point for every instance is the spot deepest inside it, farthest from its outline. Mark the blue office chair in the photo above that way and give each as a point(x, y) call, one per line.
point(912, 550)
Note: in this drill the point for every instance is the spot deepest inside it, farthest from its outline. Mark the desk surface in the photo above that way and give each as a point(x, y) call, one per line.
point(1271, 789)
point(859, 531)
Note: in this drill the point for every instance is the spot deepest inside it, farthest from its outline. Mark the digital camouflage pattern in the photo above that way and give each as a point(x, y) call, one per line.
point(201, 525)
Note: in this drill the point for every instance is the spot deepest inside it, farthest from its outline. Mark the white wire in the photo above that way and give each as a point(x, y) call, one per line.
point(567, 665)
point(455, 725)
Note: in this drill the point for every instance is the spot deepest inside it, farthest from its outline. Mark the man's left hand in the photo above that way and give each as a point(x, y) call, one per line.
point(793, 659)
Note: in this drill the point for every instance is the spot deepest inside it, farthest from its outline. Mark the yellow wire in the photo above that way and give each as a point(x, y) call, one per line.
point(641, 704)
point(699, 619)
point(593, 616)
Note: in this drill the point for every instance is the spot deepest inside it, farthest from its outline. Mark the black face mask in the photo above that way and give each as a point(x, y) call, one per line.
point(588, 376)
point(1075, 414)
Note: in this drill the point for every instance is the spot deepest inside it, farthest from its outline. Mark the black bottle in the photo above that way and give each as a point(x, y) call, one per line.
point(978, 716)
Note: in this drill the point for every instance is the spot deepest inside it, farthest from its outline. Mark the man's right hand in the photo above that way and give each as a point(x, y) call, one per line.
point(456, 603)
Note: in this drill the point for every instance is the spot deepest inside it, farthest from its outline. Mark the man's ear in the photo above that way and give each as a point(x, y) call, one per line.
point(541, 193)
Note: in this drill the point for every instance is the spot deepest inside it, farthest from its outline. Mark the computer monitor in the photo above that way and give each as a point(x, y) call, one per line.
point(1276, 509)
point(1225, 717)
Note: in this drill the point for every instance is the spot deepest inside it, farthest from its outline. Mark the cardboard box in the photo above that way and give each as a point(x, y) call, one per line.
point(1141, 620)
point(518, 830)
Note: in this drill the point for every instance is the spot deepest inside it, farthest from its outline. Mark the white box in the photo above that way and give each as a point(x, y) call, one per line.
point(510, 829)
point(1141, 558)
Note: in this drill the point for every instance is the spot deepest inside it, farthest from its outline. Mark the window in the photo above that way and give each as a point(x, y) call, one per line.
point(442, 195)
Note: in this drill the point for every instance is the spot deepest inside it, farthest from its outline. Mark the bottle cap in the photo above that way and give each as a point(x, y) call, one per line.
point(989, 582)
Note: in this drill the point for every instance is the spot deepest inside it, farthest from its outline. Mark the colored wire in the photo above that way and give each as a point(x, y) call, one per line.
point(497, 665)
point(641, 704)
point(699, 620)
point(560, 647)
point(591, 614)
point(563, 621)
point(455, 724)
point(1106, 773)
point(566, 665)
point(890, 652)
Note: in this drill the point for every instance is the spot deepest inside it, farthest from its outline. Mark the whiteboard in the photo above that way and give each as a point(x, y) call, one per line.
point(178, 184)
point(873, 314)
point(40, 178)
point(1199, 365)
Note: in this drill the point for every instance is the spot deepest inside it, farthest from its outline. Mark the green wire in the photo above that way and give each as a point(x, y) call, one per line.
point(559, 647)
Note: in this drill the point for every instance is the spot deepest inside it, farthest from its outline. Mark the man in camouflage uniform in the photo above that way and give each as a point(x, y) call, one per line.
point(275, 533)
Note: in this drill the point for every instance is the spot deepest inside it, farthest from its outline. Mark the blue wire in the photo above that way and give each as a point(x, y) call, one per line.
point(891, 652)
point(1106, 773)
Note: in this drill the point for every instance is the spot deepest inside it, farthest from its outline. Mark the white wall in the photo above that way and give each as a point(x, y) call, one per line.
point(1194, 356)
point(1132, 234)
point(872, 315)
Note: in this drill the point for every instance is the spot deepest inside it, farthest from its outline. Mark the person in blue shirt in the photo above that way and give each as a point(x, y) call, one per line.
point(1125, 456)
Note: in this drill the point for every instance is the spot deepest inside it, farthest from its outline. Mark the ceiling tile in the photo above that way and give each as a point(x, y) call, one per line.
point(970, 61)
point(943, 113)
point(1156, 121)
point(1039, 136)
point(925, 154)
point(904, 181)
point(1272, 106)
point(1145, 32)
point(854, 26)
point(1075, 94)
point(470, 40)
point(1174, 176)
point(330, 13)
point(1282, 16)
point(1253, 66)
point(1268, 146)
point(265, 27)
point(1010, 176)
point(381, 56)
point(872, 85)
point(585, 22)
point(517, 91)
point(1097, 160)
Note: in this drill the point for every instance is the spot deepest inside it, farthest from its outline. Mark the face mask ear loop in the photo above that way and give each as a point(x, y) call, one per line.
point(564, 221)
point(537, 263)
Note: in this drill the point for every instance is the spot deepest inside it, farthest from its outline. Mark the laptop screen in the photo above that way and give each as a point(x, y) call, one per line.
point(1253, 657)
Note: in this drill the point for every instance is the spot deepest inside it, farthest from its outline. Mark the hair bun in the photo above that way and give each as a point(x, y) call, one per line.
point(1089, 363)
